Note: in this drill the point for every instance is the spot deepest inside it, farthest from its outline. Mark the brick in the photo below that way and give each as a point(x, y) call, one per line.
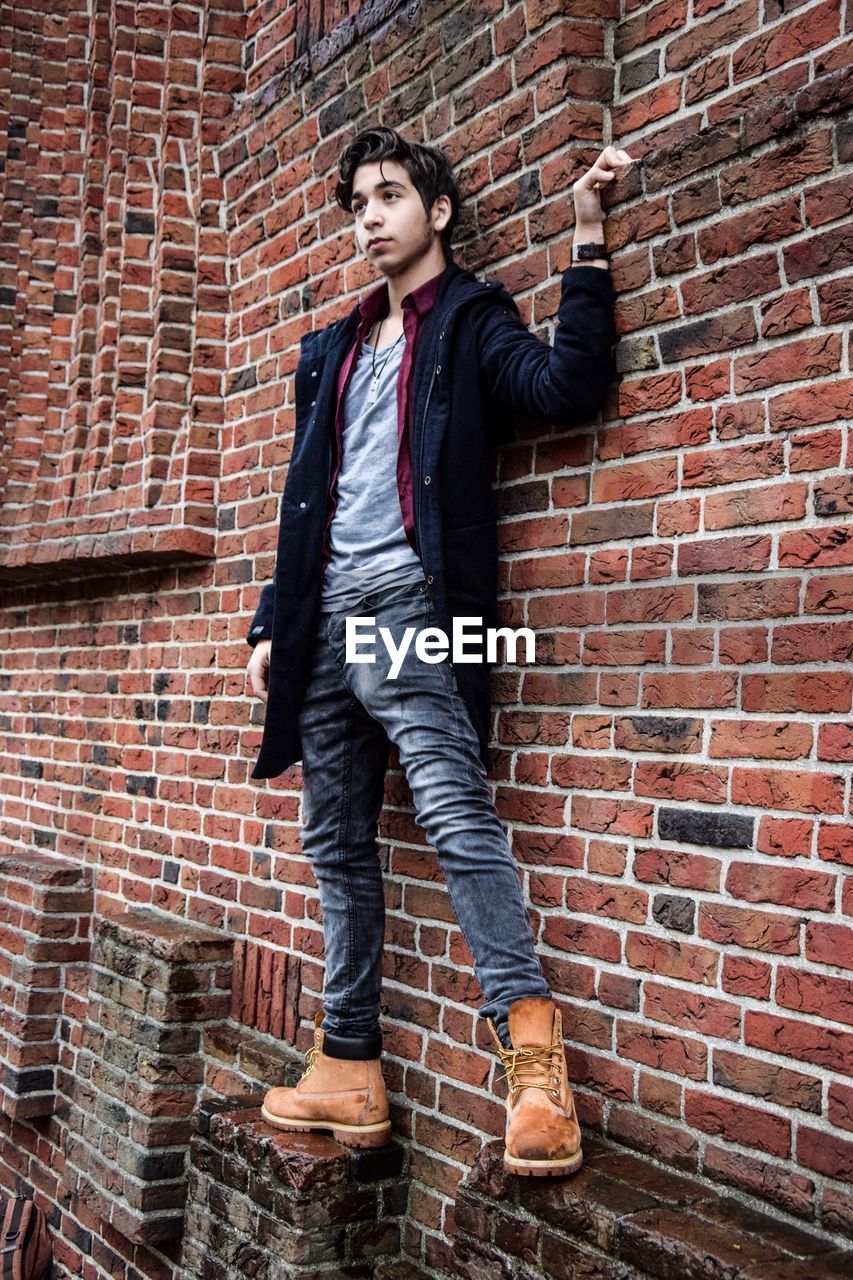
point(657, 733)
point(829, 545)
point(621, 818)
point(761, 506)
point(611, 524)
point(787, 886)
point(826, 1153)
point(828, 593)
point(723, 830)
point(590, 898)
point(671, 959)
point(816, 993)
point(785, 837)
point(731, 555)
point(680, 782)
point(674, 912)
point(835, 743)
point(606, 859)
point(650, 604)
point(639, 480)
point(785, 692)
point(820, 641)
point(738, 646)
point(748, 600)
point(770, 1183)
point(835, 843)
point(681, 870)
point(735, 1122)
point(703, 1013)
point(623, 648)
point(811, 450)
point(707, 468)
point(760, 739)
point(762, 1079)
point(813, 792)
point(805, 1041)
point(673, 1143)
point(665, 690)
point(830, 944)
point(810, 357)
point(675, 1054)
point(583, 939)
point(759, 930)
point(841, 1105)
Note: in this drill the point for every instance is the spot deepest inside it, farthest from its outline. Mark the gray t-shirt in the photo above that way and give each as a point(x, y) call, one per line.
point(369, 548)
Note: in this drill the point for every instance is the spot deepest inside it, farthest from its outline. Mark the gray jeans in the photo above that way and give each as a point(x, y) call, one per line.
point(350, 715)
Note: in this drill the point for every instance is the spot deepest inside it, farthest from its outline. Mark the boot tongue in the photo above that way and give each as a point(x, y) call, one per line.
point(531, 1022)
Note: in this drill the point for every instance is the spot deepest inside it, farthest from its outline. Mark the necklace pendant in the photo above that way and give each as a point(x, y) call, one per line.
point(374, 388)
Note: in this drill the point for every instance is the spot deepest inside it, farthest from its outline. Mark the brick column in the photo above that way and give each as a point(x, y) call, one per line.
point(45, 904)
point(265, 1202)
point(155, 982)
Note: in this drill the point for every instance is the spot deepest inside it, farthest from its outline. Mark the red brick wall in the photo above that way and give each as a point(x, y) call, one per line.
point(675, 771)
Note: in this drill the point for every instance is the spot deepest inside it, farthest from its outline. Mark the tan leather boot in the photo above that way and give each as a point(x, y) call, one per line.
point(543, 1137)
point(345, 1095)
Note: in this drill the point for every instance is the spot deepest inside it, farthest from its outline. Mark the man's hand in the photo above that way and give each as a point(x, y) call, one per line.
point(612, 163)
point(258, 669)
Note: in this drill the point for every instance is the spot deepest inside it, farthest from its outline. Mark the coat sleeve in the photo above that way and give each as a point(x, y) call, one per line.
point(260, 627)
point(563, 383)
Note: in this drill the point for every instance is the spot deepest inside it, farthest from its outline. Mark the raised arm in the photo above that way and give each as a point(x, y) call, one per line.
point(566, 382)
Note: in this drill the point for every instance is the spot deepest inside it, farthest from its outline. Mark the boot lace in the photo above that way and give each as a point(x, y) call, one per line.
point(310, 1059)
point(544, 1063)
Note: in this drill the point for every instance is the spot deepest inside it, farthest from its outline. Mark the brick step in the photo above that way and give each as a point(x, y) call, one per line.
point(289, 1206)
point(623, 1218)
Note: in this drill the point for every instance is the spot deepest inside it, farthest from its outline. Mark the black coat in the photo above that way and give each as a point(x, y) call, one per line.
point(476, 364)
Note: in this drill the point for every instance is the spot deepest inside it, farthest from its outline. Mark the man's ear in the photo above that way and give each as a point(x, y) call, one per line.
point(444, 207)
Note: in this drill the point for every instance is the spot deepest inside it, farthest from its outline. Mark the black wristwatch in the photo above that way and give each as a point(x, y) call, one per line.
point(585, 252)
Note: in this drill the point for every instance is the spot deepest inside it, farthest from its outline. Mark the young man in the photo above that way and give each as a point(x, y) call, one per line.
point(388, 514)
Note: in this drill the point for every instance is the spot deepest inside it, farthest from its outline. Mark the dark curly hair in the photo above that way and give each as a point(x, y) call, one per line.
point(428, 168)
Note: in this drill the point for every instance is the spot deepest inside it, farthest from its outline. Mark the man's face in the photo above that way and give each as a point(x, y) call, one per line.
point(387, 209)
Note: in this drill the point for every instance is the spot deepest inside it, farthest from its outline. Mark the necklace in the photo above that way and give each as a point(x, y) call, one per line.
point(374, 382)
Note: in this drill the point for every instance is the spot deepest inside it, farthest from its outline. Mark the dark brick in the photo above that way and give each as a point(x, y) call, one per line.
point(674, 912)
point(721, 830)
point(140, 224)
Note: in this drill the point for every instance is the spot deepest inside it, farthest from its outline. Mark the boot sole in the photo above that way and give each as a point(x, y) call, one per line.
point(542, 1168)
point(349, 1135)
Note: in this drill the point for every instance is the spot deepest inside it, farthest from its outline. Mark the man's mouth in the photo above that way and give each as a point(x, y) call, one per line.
point(374, 244)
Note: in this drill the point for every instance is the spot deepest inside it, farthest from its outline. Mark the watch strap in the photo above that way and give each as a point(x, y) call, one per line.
point(588, 250)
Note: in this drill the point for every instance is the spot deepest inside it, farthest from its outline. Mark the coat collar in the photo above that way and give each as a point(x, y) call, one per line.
point(376, 304)
point(450, 289)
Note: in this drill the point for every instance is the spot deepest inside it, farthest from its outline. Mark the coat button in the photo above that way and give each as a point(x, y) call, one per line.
point(313, 373)
point(438, 368)
point(313, 402)
point(302, 504)
point(427, 479)
point(429, 577)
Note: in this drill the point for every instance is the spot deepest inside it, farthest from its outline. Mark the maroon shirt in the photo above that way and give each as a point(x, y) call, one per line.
point(373, 307)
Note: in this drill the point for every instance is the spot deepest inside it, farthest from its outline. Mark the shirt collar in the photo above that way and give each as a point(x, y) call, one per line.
point(376, 304)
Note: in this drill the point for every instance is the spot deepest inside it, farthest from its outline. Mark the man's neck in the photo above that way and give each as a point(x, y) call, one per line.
point(418, 274)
